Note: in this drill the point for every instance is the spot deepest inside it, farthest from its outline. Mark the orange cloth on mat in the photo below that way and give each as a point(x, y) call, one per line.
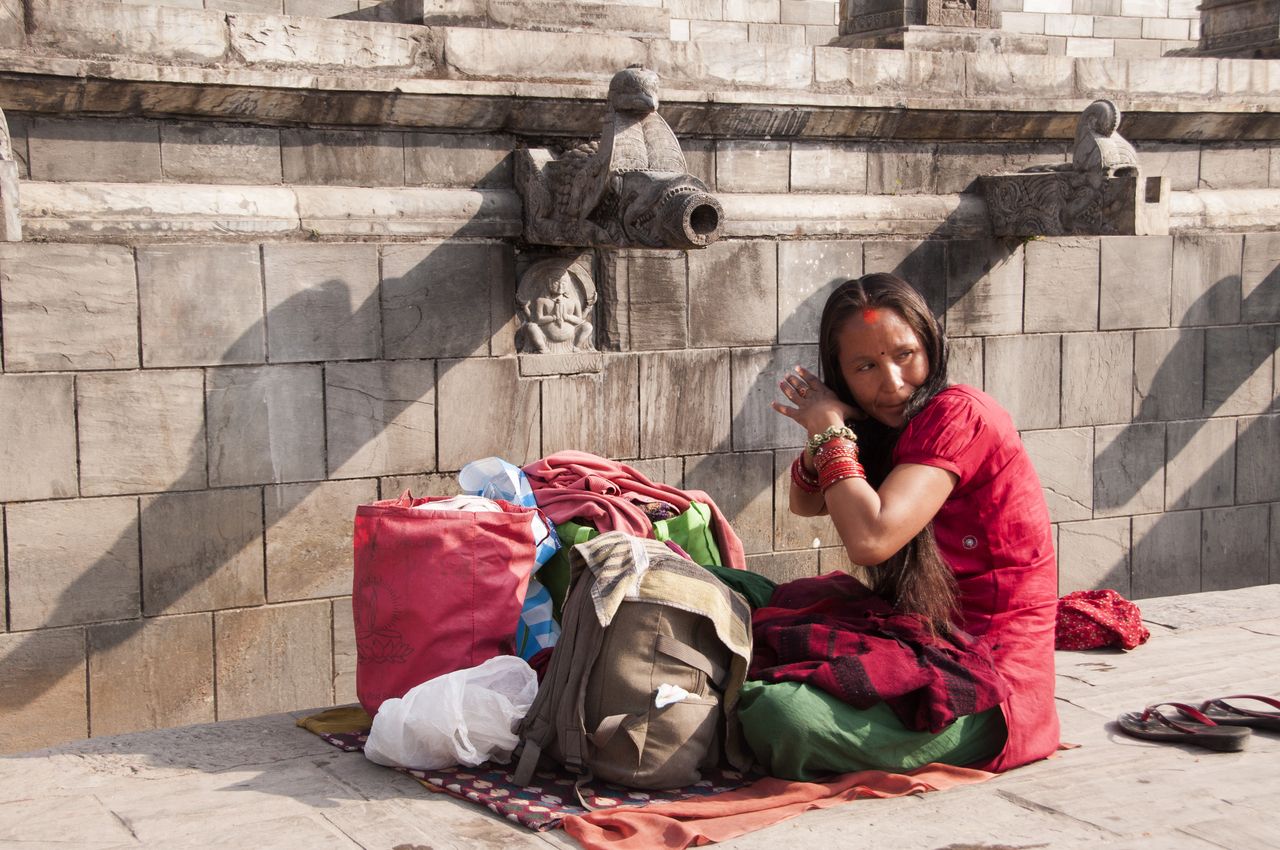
point(706, 820)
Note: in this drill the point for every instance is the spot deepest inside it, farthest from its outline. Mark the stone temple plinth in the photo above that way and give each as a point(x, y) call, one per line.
point(963, 25)
point(1249, 29)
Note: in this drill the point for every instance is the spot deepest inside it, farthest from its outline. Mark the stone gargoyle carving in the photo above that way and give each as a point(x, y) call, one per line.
point(10, 224)
point(556, 299)
point(629, 189)
point(1102, 191)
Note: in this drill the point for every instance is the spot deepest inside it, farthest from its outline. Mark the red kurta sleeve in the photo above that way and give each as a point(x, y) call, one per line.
point(949, 434)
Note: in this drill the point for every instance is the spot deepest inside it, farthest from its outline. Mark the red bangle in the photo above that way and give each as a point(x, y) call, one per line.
point(837, 443)
point(802, 478)
point(831, 455)
point(837, 460)
point(856, 472)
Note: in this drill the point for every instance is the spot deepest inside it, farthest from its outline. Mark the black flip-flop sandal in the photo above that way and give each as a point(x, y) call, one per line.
point(1199, 730)
point(1224, 714)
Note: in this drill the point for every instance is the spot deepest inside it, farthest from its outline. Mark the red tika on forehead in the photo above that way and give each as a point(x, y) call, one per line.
point(870, 316)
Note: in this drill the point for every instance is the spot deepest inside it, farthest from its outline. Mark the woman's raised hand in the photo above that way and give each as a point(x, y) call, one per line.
point(816, 406)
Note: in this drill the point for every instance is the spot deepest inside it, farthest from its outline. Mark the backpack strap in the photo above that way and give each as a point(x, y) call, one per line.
point(607, 729)
point(577, 790)
point(668, 645)
point(570, 717)
point(530, 753)
point(556, 716)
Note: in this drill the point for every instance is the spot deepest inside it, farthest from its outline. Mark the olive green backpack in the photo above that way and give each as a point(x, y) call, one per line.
point(643, 683)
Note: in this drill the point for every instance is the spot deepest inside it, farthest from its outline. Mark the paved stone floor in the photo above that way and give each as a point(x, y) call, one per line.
point(264, 783)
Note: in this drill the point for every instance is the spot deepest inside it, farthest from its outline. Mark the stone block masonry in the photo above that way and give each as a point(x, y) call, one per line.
point(200, 494)
point(68, 307)
point(228, 329)
point(185, 533)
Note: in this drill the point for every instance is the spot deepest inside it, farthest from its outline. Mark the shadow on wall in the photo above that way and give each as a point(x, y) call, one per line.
point(408, 317)
point(947, 273)
point(404, 326)
point(1144, 449)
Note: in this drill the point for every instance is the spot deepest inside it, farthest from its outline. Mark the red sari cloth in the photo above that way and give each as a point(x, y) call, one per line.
point(571, 484)
point(993, 531)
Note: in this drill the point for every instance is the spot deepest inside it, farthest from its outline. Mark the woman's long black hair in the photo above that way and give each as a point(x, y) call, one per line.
point(915, 579)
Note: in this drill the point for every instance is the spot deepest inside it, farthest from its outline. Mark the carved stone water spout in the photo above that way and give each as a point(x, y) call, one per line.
point(632, 188)
point(1101, 192)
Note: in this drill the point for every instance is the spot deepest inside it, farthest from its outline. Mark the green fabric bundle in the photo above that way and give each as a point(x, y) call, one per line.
point(691, 531)
point(803, 733)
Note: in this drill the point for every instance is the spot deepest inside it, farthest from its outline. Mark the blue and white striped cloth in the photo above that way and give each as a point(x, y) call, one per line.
point(495, 478)
point(537, 629)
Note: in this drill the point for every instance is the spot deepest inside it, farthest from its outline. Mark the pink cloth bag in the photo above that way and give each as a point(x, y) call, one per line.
point(434, 591)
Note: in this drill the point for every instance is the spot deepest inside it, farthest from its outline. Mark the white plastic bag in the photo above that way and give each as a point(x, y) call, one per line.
point(495, 478)
point(465, 717)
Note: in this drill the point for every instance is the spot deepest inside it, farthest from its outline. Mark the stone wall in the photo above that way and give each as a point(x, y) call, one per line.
point(777, 21)
point(221, 335)
point(1137, 28)
point(1107, 27)
point(1093, 28)
point(309, 8)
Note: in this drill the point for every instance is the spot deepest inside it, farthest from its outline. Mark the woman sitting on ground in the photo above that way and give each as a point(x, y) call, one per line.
point(950, 510)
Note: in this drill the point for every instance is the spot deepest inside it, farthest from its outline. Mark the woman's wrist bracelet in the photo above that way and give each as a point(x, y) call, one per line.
point(856, 471)
point(834, 448)
point(836, 460)
point(805, 480)
point(817, 441)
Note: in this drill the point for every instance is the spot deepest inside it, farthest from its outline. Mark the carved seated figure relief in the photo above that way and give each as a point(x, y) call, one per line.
point(958, 13)
point(556, 298)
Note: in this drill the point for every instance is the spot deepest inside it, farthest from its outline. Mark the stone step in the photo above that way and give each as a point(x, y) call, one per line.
point(160, 211)
point(646, 19)
point(267, 69)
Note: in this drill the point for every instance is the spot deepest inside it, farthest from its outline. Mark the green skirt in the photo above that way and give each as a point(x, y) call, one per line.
point(803, 733)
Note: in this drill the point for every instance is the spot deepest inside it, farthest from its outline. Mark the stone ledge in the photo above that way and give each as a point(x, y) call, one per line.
point(554, 365)
point(179, 37)
point(334, 211)
point(158, 211)
point(280, 40)
point(962, 216)
point(951, 39)
point(545, 15)
point(1227, 209)
point(287, 98)
point(807, 216)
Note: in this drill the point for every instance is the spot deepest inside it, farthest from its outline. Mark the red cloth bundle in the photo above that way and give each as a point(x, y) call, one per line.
point(1093, 619)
